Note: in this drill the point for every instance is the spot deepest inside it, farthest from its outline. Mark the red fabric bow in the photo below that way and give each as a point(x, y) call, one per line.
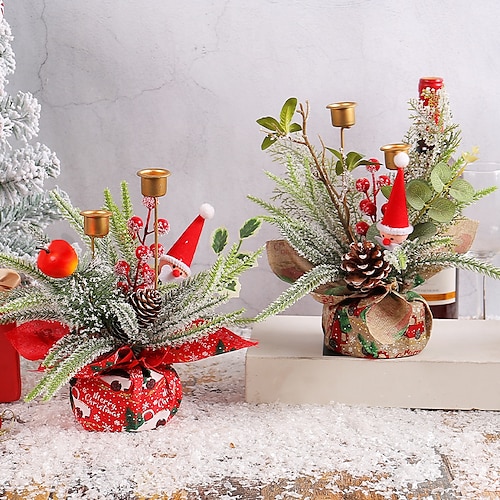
point(33, 339)
point(223, 340)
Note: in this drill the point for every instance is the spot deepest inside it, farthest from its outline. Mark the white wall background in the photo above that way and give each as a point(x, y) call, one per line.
point(126, 85)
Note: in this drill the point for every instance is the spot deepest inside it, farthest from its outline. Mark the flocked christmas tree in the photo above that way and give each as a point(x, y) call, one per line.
point(25, 206)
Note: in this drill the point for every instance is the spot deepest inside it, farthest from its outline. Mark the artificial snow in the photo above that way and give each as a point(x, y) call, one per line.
point(216, 436)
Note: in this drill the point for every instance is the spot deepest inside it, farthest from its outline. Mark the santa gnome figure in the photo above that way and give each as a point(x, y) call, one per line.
point(394, 227)
point(176, 263)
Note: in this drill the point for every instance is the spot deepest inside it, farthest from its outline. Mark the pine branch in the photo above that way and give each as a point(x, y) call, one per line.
point(466, 262)
point(127, 208)
point(306, 284)
point(70, 214)
point(126, 319)
point(31, 299)
point(27, 268)
point(64, 369)
point(118, 223)
point(201, 329)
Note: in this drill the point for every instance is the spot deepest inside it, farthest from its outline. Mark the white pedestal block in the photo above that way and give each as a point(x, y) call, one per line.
point(458, 369)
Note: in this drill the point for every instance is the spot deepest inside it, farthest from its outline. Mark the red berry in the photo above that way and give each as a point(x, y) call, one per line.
point(123, 286)
point(163, 226)
point(149, 202)
point(384, 180)
point(368, 207)
point(134, 225)
point(143, 253)
point(362, 185)
point(122, 268)
point(362, 227)
point(383, 208)
point(161, 249)
point(374, 165)
point(147, 274)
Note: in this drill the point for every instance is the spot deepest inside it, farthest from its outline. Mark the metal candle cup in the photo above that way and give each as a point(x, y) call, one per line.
point(153, 181)
point(96, 222)
point(391, 150)
point(342, 114)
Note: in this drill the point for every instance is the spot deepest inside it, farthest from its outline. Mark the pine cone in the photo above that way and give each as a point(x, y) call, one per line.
point(147, 304)
point(365, 266)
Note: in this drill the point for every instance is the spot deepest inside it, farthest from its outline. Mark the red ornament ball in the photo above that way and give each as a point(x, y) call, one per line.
point(58, 259)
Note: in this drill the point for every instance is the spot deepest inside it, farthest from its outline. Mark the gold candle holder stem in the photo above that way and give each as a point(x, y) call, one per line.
point(342, 139)
point(156, 243)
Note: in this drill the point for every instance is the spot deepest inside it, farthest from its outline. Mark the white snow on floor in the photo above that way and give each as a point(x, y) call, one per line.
point(216, 435)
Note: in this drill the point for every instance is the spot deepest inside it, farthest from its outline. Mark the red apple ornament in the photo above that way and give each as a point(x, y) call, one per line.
point(58, 260)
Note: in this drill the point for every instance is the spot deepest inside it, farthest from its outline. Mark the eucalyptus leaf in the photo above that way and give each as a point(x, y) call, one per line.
point(442, 210)
point(219, 239)
point(386, 191)
point(286, 114)
point(440, 176)
point(462, 190)
point(423, 231)
point(418, 193)
point(372, 232)
point(295, 127)
point(250, 227)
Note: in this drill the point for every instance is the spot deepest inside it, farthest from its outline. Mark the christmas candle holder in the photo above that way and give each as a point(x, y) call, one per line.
point(343, 116)
point(154, 185)
point(95, 224)
point(153, 181)
point(391, 150)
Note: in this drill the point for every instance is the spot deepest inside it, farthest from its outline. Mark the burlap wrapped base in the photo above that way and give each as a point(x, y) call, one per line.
point(381, 325)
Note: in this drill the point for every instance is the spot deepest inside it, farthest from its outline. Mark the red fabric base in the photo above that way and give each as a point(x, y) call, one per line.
point(134, 399)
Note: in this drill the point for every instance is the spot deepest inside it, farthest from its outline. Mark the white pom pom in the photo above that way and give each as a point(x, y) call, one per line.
point(207, 211)
point(401, 159)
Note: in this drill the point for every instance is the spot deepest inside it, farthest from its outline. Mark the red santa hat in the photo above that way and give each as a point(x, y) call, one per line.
point(182, 252)
point(395, 220)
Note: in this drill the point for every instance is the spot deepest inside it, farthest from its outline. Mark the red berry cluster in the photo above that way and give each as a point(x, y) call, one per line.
point(371, 188)
point(144, 275)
